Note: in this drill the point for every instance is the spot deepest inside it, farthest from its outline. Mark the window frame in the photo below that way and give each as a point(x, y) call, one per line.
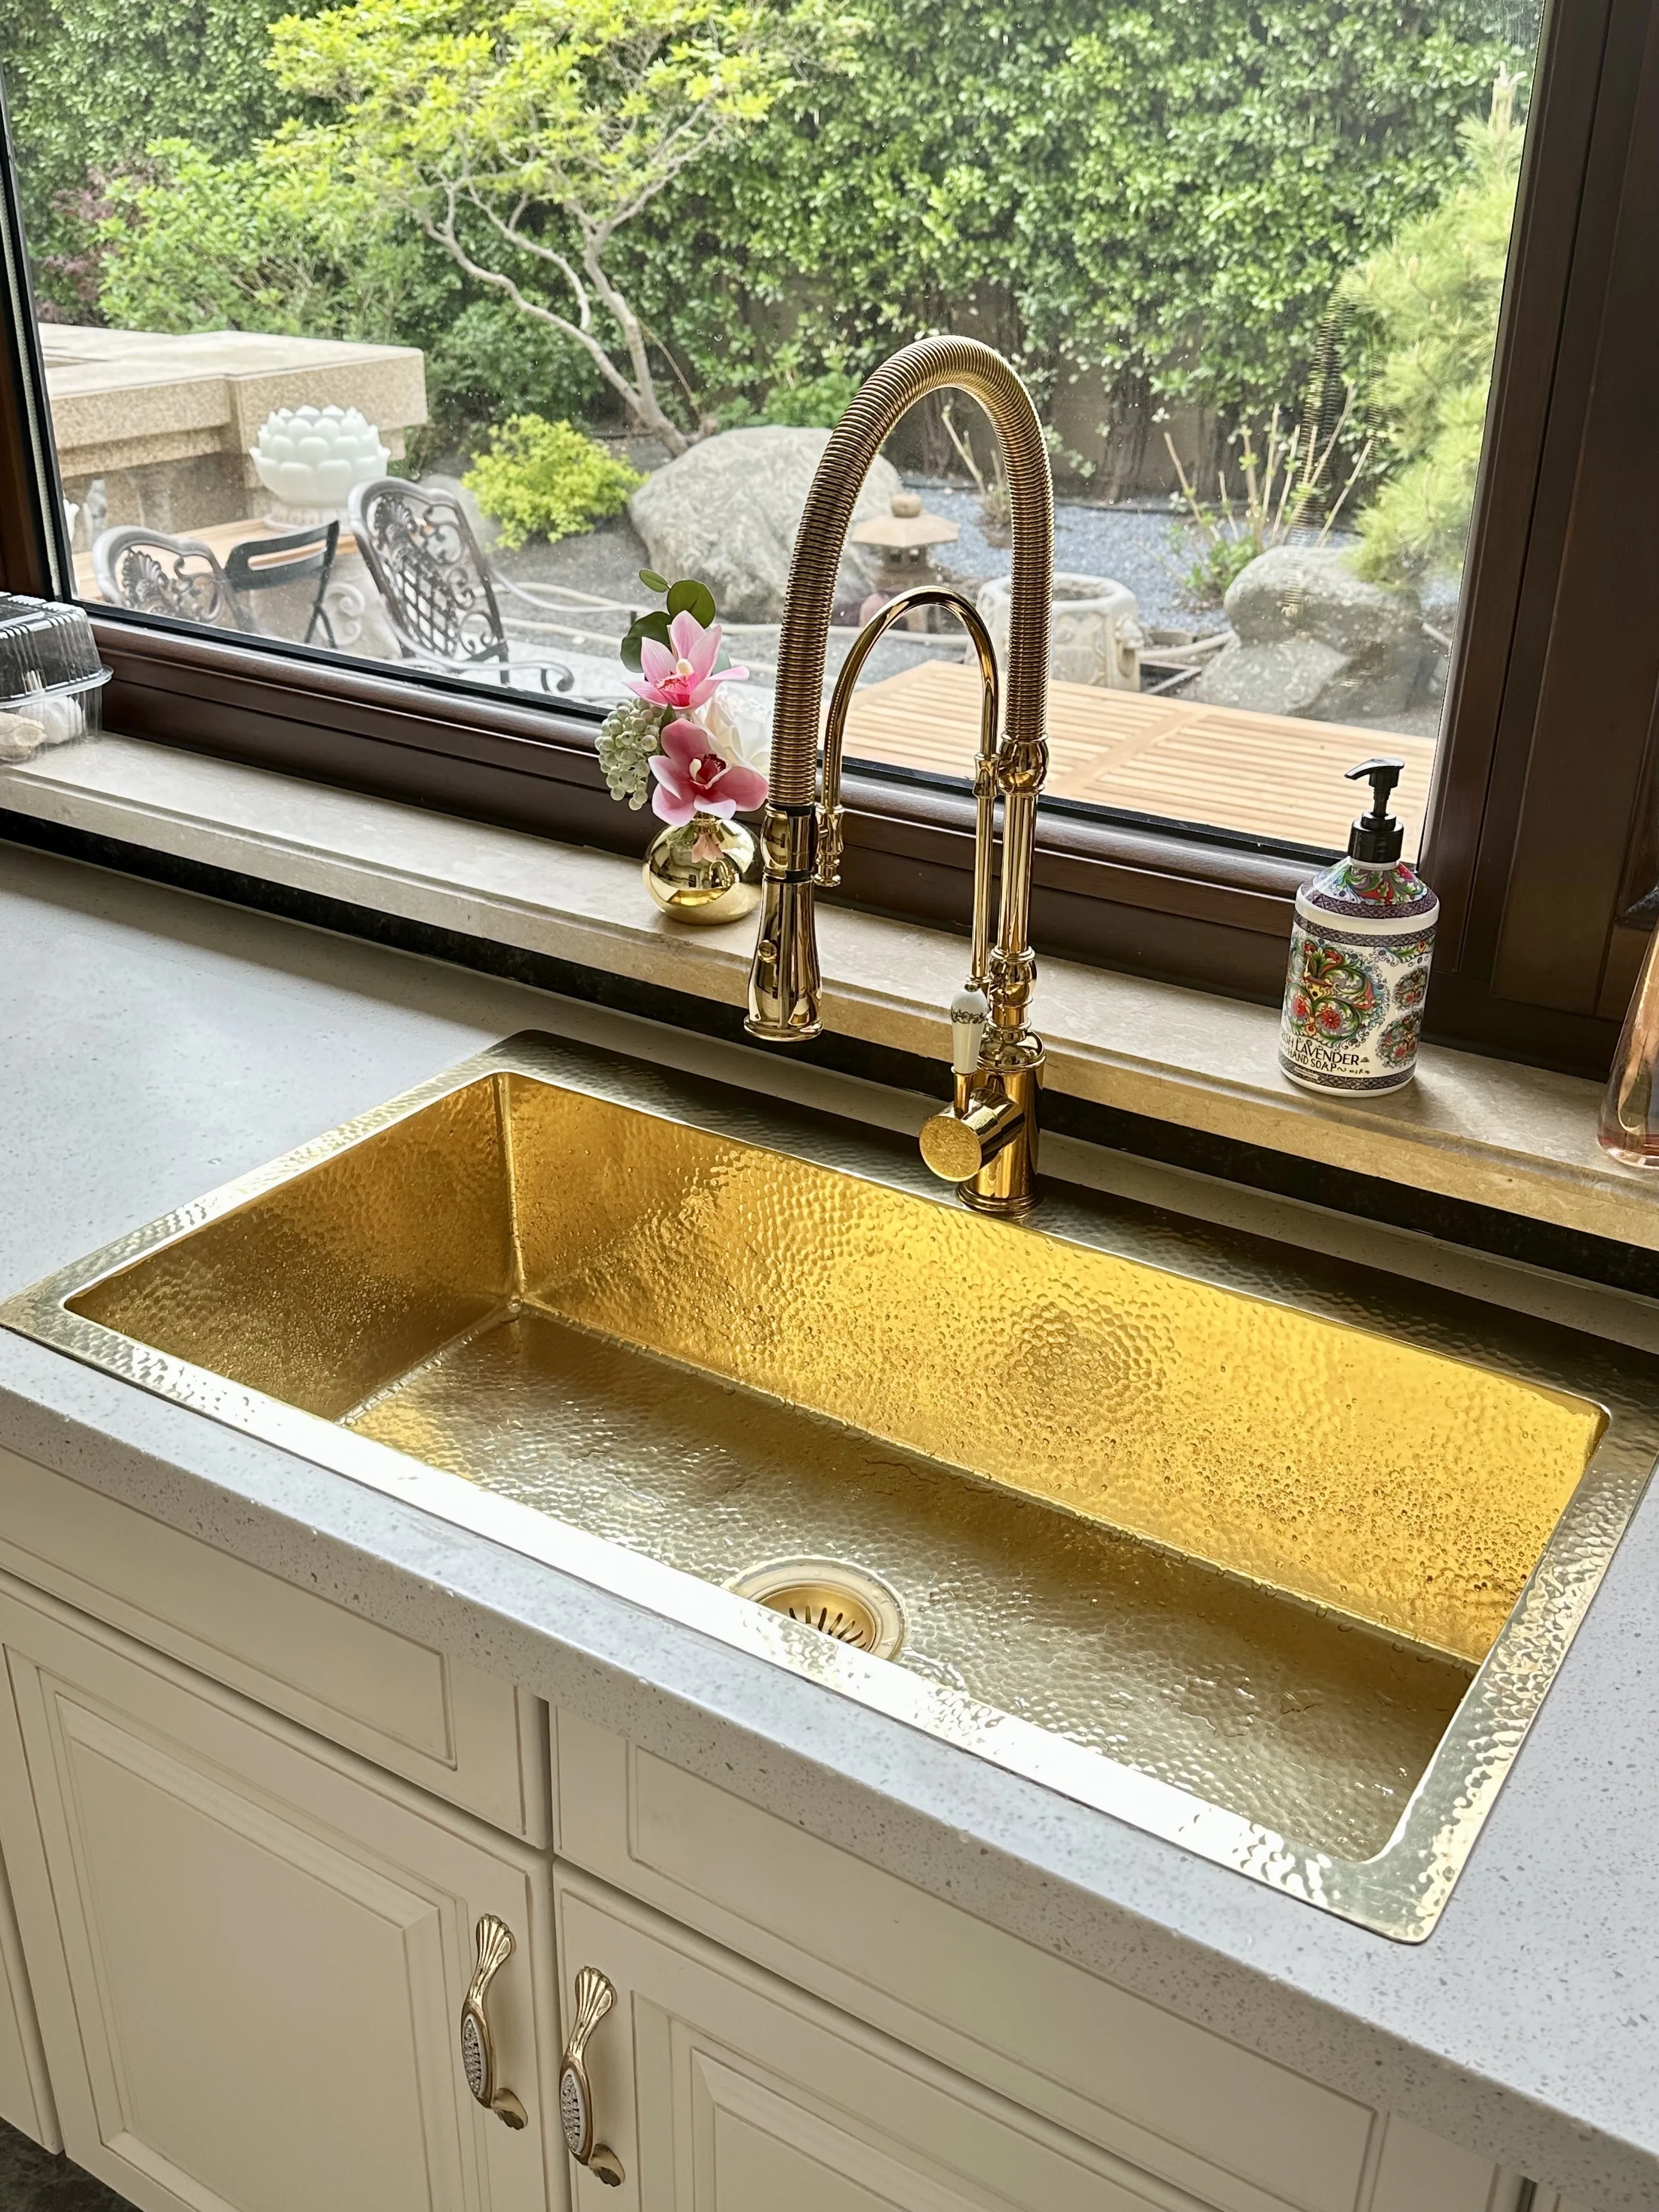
point(1514, 826)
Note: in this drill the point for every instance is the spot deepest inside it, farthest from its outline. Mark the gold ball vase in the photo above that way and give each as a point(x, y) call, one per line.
point(706, 872)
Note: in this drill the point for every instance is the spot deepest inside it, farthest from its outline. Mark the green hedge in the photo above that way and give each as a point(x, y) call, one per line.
point(1169, 192)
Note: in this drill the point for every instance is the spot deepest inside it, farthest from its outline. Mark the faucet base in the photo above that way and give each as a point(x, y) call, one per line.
point(993, 1123)
point(1012, 1208)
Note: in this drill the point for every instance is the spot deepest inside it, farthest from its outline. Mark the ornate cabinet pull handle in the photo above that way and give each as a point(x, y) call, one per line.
point(594, 1998)
point(495, 1947)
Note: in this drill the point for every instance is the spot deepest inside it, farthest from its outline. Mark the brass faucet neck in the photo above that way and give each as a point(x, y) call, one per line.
point(929, 365)
point(993, 1122)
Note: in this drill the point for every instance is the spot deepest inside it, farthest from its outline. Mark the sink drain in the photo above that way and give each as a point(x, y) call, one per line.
point(844, 1602)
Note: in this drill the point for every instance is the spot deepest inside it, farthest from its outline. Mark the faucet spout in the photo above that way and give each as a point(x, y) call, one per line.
point(987, 1142)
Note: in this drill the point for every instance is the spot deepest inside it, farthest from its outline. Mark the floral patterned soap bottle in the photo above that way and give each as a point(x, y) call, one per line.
point(1359, 958)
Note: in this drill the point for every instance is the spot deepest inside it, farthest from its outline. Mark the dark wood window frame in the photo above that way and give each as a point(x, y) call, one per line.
point(1543, 835)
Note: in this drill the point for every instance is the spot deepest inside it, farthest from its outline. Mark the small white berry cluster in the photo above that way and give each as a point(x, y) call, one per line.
point(625, 746)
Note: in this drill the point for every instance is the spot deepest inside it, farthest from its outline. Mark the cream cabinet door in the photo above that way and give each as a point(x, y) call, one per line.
point(249, 1954)
point(720, 2089)
point(25, 2100)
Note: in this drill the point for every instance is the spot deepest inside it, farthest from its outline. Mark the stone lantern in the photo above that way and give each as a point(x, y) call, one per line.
point(904, 540)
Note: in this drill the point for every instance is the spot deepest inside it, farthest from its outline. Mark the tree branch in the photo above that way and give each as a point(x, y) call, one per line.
point(640, 396)
point(524, 244)
point(638, 359)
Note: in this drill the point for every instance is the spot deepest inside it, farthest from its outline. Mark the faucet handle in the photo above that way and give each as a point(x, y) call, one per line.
point(969, 1011)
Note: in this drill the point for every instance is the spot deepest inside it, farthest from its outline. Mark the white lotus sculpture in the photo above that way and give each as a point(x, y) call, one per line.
point(313, 458)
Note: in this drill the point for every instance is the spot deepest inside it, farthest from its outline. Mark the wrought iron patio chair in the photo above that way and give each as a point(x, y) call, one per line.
point(438, 585)
point(156, 574)
point(265, 564)
point(153, 574)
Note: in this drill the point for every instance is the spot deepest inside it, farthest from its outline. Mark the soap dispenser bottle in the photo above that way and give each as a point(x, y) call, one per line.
point(1360, 951)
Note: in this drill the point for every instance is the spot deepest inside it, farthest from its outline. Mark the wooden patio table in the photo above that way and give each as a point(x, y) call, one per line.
point(1269, 775)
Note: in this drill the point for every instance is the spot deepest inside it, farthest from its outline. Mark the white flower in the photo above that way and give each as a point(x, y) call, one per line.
point(736, 720)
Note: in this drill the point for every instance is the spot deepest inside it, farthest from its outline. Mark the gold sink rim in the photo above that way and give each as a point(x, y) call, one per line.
point(1400, 1893)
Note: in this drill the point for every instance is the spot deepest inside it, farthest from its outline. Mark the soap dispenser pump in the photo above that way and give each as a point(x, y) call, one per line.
point(1360, 949)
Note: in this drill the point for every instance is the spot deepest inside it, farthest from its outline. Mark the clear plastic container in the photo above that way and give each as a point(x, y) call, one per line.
point(50, 674)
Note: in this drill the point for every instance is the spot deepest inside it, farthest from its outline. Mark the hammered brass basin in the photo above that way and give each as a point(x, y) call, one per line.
point(1221, 1562)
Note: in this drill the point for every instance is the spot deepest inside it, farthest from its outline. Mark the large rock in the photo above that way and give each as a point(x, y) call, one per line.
point(1314, 639)
point(727, 511)
point(1309, 591)
point(1288, 676)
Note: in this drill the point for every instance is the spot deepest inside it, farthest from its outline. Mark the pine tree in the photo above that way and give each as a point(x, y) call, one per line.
point(1427, 307)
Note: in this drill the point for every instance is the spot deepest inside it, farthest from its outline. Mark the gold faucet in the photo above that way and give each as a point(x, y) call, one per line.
point(986, 1142)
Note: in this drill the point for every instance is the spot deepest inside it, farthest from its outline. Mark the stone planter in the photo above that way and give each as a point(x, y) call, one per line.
point(1096, 638)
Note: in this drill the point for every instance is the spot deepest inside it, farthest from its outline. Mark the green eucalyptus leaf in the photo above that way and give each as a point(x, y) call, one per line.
point(689, 597)
point(653, 581)
point(654, 624)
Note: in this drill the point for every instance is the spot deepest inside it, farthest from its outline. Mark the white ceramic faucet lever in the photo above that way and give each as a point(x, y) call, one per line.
point(969, 1011)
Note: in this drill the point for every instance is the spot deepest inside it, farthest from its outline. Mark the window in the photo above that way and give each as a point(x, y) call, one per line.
point(375, 352)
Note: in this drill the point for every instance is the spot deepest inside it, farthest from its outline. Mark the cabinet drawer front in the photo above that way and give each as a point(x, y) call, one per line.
point(250, 1959)
point(720, 2090)
point(1107, 2065)
point(456, 1731)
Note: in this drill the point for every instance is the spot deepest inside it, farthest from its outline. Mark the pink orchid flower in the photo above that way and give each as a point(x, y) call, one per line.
point(694, 777)
point(682, 674)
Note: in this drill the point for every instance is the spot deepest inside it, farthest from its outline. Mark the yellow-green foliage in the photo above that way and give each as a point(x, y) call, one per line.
point(521, 135)
point(1161, 195)
point(592, 105)
point(541, 479)
point(1428, 303)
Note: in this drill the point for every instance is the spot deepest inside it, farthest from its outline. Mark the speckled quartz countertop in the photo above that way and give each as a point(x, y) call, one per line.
point(154, 1044)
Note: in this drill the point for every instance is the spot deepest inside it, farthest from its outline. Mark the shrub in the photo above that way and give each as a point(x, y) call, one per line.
point(1418, 523)
point(492, 362)
point(187, 242)
point(542, 479)
point(184, 241)
point(90, 85)
point(1291, 481)
point(816, 403)
point(805, 403)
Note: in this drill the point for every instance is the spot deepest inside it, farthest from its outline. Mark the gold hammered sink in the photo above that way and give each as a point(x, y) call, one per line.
point(1273, 1560)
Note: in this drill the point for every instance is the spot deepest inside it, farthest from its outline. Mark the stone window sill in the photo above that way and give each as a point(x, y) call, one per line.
point(1485, 1131)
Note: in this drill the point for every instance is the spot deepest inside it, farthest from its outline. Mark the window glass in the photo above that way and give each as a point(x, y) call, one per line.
point(414, 332)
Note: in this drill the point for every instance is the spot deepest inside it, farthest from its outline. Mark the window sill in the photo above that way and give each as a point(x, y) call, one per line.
point(1487, 1132)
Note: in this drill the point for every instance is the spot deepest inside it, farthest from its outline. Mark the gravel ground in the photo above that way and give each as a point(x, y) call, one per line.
point(605, 561)
point(1145, 548)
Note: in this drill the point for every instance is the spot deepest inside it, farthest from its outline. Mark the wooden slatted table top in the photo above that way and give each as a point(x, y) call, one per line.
point(1269, 775)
